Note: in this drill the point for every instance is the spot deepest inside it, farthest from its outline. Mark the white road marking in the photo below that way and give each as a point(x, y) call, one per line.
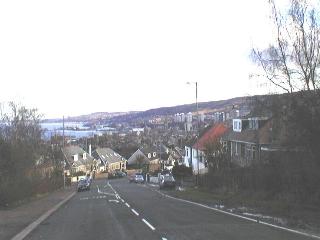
point(113, 200)
point(32, 226)
point(239, 216)
point(135, 212)
point(164, 238)
point(84, 198)
point(148, 224)
point(127, 205)
point(122, 200)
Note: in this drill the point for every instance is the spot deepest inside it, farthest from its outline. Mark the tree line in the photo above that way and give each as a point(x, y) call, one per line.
point(291, 64)
point(28, 165)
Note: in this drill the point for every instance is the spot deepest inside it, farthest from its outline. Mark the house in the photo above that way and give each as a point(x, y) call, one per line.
point(77, 159)
point(247, 138)
point(146, 156)
point(137, 157)
point(170, 157)
point(109, 160)
point(195, 154)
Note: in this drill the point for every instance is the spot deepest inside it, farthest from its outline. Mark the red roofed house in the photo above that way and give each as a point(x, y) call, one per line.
point(191, 157)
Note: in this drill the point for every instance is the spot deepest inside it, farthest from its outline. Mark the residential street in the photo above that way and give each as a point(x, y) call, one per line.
point(123, 210)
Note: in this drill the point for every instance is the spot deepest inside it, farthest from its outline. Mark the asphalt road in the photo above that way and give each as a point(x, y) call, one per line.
point(123, 210)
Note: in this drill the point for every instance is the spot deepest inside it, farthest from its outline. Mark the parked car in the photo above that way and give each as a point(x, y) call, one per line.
point(167, 181)
point(131, 178)
point(119, 174)
point(138, 178)
point(83, 185)
point(116, 174)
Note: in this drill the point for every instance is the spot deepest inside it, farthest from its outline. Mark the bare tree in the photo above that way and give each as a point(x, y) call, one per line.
point(292, 62)
point(215, 155)
point(141, 161)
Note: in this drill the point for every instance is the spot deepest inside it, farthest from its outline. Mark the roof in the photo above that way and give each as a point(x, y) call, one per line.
point(72, 150)
point(258, 136)
point(215, 132)
point(107, 155)
point(135, 155)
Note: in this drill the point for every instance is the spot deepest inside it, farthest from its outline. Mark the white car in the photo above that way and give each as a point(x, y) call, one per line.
point(138, 178)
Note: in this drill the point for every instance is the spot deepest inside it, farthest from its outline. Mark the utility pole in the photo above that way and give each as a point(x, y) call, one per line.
point(197, 133)
point(64, 160)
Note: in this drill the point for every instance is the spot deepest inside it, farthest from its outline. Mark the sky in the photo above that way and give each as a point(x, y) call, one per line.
point(76, 57)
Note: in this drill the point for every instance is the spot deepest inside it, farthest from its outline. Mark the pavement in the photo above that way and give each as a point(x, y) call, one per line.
point(117, 209)
point(13, 221)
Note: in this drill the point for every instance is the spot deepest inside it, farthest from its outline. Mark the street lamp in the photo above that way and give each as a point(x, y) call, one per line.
point(197, 137)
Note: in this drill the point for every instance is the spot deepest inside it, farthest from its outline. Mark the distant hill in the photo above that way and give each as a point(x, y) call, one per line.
point(204, 107)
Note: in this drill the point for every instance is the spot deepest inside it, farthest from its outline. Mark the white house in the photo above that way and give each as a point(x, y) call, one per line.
point(195, 155)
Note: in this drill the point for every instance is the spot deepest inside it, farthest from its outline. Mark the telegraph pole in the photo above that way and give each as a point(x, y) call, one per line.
point(198, 132)
point(64, 160)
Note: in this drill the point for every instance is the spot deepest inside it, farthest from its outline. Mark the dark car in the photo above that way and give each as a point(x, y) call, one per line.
point(167, 181)
point(83, 185)
point(119, 174)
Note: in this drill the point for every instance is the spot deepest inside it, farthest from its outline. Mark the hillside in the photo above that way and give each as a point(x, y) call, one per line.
point(204, 107)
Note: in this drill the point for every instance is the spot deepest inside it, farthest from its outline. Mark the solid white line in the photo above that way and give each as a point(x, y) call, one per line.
point(291, 230)
point(239, 216)
point(127, 205)
point(148, 224)
point(36, 223)
point(135, 212)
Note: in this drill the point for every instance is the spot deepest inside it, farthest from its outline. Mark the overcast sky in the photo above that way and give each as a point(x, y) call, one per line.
point(77, 57)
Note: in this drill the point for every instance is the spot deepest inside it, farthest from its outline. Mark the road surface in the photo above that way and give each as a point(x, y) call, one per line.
point(121, 210)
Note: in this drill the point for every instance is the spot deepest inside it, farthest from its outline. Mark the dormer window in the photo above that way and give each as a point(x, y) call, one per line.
point(237, 125)
point(149, 155)
point(154, 154)
point(75, 157)
point(84, 156)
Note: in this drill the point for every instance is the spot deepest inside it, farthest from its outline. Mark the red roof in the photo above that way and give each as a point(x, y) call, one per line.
point(215, 132)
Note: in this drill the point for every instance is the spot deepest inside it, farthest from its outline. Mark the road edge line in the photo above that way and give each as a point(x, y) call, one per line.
point(239, 216)
point(21, 235)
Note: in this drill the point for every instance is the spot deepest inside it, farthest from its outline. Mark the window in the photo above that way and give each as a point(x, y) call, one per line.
point(200, 157)
point(149, 155)
point(154, 154)
point(194, 153)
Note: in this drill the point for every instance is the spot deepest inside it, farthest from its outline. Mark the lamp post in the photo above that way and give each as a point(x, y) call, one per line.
point(197, 134)
point(64, 161)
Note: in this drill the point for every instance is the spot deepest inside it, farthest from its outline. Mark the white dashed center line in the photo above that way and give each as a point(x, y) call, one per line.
point(127, 205)
point(148, 224)
point(135, 212)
